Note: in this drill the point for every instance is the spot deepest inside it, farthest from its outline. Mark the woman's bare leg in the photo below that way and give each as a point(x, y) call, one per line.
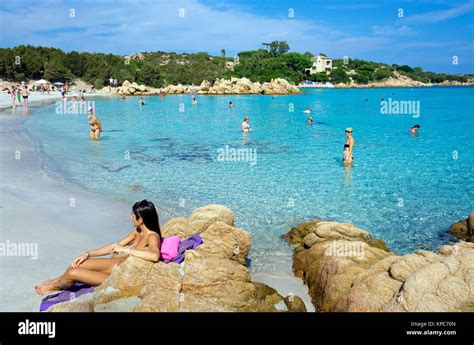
point(81, 275)
point(100, 265)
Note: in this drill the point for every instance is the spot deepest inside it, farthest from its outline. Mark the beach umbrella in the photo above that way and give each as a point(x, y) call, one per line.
point(58, 83)
point(41, 81)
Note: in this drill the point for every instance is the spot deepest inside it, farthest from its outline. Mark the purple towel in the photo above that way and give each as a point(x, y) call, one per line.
point(190, 243)
point(68, 294)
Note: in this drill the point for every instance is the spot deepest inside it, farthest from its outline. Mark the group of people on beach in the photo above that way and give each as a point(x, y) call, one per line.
point(18, 93)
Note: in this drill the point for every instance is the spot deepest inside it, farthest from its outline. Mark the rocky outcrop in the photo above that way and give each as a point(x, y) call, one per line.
point(277, 86)
point(397, 80)
point(464, 229)
point(347, 270)
point(130, 89)
point(213, 277)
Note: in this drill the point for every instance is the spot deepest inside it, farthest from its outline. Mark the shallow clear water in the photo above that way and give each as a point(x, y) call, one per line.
point(406, 190)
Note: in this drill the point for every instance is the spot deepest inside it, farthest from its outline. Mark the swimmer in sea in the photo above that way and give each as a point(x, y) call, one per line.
point(414, 129)
point(245, 125)
point(141, 101)
point(307, 111)
point(231, 104)
point(96, 126)
point(194, 102)
point(348, 146)
point(309, 120)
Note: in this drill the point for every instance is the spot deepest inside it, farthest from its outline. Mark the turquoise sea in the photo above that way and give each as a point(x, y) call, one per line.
point(404, 189)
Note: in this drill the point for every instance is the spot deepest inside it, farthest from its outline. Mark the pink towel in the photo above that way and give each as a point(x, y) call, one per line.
point(169, 247)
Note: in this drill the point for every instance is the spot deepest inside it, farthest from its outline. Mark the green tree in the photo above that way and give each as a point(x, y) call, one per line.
point(381, 74)
point(321, 77)
point(362, 77)
point(277, 48)
point(76, 63)
point(55, 71)
point(405, 68)
point(149, 75)
point(339, 76)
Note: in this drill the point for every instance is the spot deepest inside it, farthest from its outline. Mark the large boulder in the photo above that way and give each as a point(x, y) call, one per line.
point(225, 241)
point(202, 217)
point(199, 220)
point(213, 277)
point(204, 87)
point(464, 229)
point(347, 270)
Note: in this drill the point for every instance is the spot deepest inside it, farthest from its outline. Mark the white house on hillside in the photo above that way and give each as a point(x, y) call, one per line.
point(320, 64)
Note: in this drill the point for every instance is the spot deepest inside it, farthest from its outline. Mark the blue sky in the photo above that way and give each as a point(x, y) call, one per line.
point(427, 34)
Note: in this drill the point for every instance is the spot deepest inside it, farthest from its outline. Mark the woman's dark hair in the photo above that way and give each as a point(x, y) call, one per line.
point(146, 210)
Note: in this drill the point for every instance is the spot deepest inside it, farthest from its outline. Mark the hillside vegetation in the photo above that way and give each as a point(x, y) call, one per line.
point(159, 69)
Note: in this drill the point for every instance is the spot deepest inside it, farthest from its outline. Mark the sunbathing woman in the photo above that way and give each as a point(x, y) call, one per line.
point(96, 126)
point(144, 242)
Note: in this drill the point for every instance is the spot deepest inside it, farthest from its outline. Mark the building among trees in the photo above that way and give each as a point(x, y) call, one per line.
point(321, 63)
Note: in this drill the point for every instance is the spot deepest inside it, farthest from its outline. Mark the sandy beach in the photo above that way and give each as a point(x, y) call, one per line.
point(36, 98)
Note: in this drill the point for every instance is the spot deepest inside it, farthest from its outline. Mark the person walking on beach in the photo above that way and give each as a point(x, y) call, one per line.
point(143, 242)
point(18, 94)
point(96, 126)
point(348, 146)
point(74, 104)
point(25, 92)
point(13, 95)
point(245, 125)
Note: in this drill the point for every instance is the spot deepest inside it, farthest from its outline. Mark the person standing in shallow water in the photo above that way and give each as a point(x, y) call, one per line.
point(245, 125)
point(348, 158)
point(25, 93)
point(96, 126)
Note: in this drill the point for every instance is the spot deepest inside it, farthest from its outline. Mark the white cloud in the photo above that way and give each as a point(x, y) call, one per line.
point(154, 25)
point(388, 30)
point(441, 15)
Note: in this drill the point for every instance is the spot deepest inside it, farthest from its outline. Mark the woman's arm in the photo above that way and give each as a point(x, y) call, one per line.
point(108, 249)
point(150, 254)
